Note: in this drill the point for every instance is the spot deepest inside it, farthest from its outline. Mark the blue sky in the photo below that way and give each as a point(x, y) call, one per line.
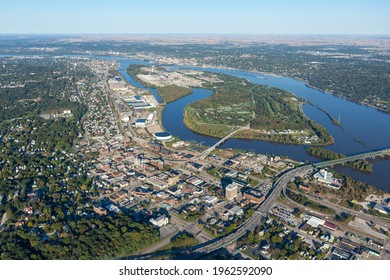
point(200, 16)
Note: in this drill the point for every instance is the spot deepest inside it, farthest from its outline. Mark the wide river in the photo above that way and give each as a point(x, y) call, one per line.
point(363, 128)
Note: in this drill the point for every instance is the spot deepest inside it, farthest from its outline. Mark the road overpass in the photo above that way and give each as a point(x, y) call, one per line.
point(262, 210)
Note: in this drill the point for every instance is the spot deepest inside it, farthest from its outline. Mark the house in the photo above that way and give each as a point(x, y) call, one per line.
point(162, 195)
point(195, 181)
point(28, 210)
point(100, 211)
point(113, 208)
point(160, 221)
point(117, 197)
point(160, 184)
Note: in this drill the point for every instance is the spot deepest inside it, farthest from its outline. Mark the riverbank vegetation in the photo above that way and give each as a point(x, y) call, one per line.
point(351, 191)
point(348, 195)
point(171, 93)
point(98, 238)
point(361, 165)
point(134, 69)
point(269, 113)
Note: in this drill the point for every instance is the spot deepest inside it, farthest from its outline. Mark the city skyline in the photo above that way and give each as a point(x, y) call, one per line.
point(196, 17)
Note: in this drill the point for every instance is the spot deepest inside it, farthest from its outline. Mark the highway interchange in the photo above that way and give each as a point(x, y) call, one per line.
point(262, 210)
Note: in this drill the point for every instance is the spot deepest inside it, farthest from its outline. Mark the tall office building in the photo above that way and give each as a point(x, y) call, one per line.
point(231, 191)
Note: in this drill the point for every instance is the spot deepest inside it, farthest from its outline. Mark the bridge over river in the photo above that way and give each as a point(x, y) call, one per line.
point(374, 154)
point(206, 152)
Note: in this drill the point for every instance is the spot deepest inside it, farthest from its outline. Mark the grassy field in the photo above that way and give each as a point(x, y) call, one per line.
point(272, 114)
point(181, 241)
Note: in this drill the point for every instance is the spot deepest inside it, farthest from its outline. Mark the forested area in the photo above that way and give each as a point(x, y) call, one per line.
point(173, 92)
point(270, 113)
point(361, 165)
point(82, 238)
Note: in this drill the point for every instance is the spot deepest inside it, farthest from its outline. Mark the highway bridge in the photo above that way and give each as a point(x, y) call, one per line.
point(262, 210)
point(278, 186)
point(206, 152)
point(374, 154)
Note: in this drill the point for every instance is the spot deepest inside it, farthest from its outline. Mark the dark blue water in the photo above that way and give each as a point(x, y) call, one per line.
point(369, 125)
point(172, 118)
point(364, 128)
point(124, 63)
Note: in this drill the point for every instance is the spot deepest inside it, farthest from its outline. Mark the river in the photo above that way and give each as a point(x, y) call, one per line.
point(363, 128)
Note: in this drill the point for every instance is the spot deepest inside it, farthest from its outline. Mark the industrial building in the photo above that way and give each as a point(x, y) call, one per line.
point(140, 122)
point(163, 136)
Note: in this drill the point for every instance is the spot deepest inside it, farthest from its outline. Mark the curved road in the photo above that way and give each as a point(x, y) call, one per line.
point(261, 210)
point(249, 224)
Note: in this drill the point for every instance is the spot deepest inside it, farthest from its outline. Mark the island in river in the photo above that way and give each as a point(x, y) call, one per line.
point(266, 113)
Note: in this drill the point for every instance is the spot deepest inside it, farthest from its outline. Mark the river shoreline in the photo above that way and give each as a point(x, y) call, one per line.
point(373, 129)
point(272, 75)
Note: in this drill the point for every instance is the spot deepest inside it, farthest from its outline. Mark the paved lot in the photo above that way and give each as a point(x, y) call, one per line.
point(362, 225)
point(167, 230)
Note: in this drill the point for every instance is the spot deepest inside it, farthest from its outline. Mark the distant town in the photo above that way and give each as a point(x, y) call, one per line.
point(90, 162)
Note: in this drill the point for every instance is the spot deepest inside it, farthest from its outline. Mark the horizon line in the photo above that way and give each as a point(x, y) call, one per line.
point(191, 33)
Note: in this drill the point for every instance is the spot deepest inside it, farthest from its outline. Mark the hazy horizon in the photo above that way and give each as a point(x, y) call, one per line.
point(279, 17)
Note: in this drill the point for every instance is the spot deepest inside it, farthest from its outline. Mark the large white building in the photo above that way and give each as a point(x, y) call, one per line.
point(324, 176)
point(160, 221)
point(141, 122)
point(210, 199)
point(382, 208)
